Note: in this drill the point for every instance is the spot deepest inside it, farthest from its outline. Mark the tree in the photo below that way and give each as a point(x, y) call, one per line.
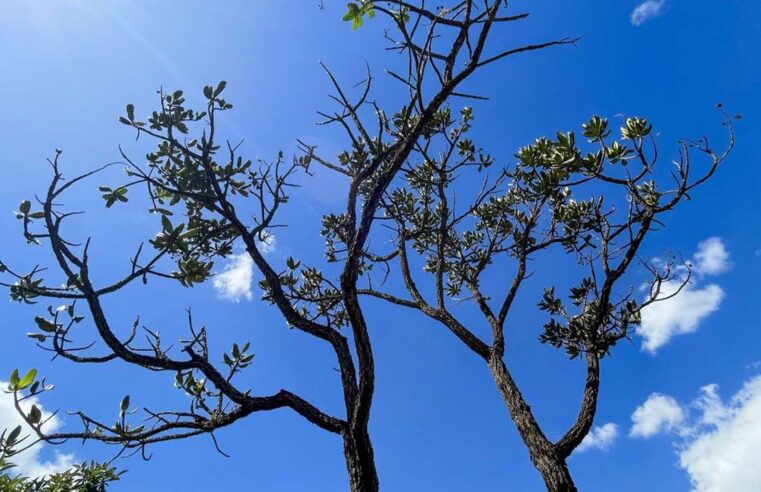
point(85, 477)
point(527, 210)
point(197, 186)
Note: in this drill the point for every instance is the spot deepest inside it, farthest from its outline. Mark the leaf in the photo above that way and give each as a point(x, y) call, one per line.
point(190, 233)
point(208, 92)
point(352, 13)
point(124, 405)
point(131, 112)
point(35, 415)
point(14, 378)
point(25, 206)
point(28, 379)
point(45, 325)
point(166, 224)
point(13, 436)
point(220, 87)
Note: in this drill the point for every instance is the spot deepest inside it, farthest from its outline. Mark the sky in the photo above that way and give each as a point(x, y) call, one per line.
point(680, 405)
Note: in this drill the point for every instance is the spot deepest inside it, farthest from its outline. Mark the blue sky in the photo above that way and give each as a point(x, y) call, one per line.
point(69, 67)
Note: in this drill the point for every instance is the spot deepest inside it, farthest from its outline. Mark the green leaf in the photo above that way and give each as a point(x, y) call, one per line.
point(208, 92)
point(124, 404)
point(28, 379)
point(25, 207)
point(131, 112)
point(166, 224)
point(352, 13)
point(14, 379)
point(190, 233)
point(35, 416)
point(13, 436)
point(45, 325)
point(220, 87)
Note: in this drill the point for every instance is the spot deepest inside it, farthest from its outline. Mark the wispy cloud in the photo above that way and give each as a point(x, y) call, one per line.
point(683, 313)
point(29, 463)
point(719, 446)
point(646, 11)
point(601, 437)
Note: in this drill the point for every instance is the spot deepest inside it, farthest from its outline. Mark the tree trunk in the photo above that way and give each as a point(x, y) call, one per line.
point(542, 452)
point(555, 473)
point(360, 462)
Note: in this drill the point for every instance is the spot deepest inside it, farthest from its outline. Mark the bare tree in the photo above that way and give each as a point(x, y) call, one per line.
point(198, 184)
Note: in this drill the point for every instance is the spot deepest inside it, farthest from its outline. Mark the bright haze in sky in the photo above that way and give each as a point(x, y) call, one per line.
point(680, 405)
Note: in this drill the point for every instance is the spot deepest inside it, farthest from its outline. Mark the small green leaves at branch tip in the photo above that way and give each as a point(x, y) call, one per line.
point(357, 11)
point(238, 358)
point(112, 196)
point(214, 92)
point(21, 383)
point(49, 327)
point(635, 128)
point(596, 129)
point(25, 212)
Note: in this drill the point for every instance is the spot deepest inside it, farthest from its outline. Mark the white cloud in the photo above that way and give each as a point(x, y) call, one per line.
point(712, 257)
point(29, 462)
point(719, 447)
point(679, 315)
point(646, 11)
point(722, 451)
point(683, 312)
point(659, 413)
point(601, 437)
point(267, 243)
point(234, 283)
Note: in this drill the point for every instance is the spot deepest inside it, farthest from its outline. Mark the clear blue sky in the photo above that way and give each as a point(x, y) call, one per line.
point(68, 69)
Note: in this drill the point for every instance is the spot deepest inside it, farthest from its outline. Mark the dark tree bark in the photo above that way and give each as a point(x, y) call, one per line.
point(360, 461)
point(545, 457)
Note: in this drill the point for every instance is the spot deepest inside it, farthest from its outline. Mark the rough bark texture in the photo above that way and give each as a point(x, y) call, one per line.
point(360, 462)
point(542, 452)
